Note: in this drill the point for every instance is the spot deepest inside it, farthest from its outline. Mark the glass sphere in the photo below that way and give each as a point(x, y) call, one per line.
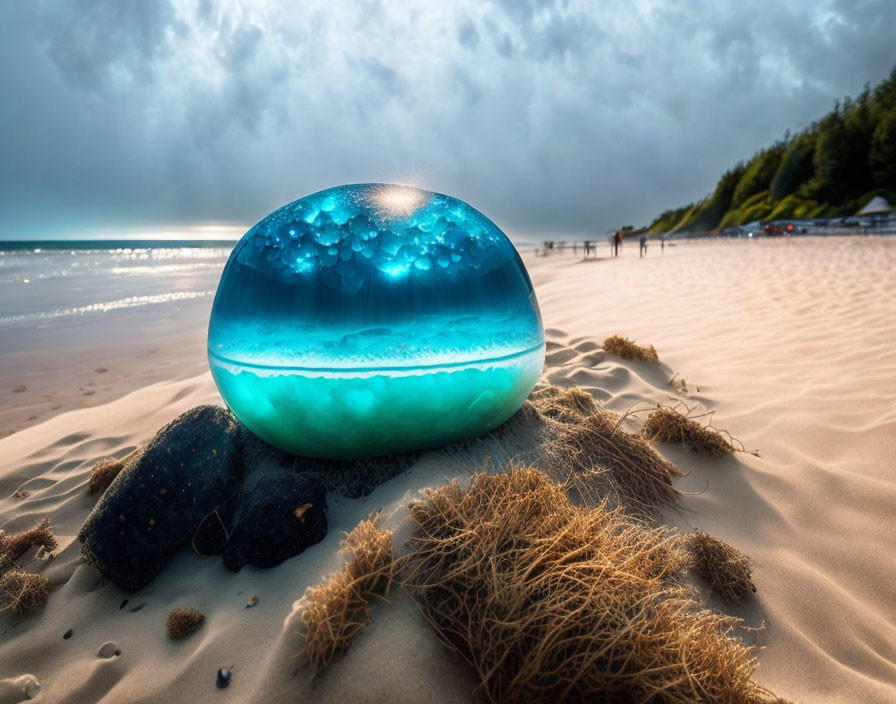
point(373, 318)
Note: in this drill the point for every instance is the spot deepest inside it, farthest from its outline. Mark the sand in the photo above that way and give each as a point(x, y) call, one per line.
point(790, 343)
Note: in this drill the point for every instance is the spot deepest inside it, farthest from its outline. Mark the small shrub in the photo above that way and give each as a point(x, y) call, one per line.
point(725, 569)
point(183, 622)
point(105, 471)
point(566, 405)
point(639, 477)
point(628, 349)
point(668, 425)
point(338, 609)
point(22, 592)
point(12, 547)
point(548, 601)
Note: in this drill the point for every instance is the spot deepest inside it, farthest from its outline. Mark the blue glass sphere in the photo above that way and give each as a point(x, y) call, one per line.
point(373, 318)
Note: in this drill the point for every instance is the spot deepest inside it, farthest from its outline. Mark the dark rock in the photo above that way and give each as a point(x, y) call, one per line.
point(211, 535)
point(223, 678)
point(284, 514)
point(68, 634)
point(189, 470)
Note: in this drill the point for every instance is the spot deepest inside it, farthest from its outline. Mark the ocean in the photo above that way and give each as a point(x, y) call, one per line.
point(43, 283)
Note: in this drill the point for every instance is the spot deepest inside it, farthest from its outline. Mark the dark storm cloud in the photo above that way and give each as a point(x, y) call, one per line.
point(558, 116)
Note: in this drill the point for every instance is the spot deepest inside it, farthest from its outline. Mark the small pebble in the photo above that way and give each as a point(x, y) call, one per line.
point(67, 634)
point(108, 650)
point(223, 678)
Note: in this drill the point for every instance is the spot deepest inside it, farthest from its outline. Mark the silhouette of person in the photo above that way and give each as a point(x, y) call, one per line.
point(643, 250)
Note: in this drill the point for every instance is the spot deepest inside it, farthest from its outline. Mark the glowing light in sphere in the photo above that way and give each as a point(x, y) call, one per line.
point(369, 319)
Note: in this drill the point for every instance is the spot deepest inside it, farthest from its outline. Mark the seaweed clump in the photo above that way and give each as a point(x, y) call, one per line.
point(12, 547)
point(338, 609)
point(629, 349)
point(567, 405)
point(725, 569)
point(669, 425)
point(586, 447)
point(639, 478)
point(105, 471)
point(22, 591)
point(548, 601)
point(183, 622)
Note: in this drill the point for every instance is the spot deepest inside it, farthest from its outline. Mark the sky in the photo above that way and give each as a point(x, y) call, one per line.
point(552, 117)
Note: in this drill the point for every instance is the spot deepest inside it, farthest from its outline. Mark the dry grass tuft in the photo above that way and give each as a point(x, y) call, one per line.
point(105, 471)
point(12, 547)
point(22, 592)
point(639, 478)
point(183, 622)
point(567, 405)
point(669, 425)
point(337, 609)
point(628, 349)
point(725, 569)
point(552, 602)
point(564, 433)
point(678, 383)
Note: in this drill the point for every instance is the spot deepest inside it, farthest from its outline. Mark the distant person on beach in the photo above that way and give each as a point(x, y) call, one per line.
point(643, 250)
point(617, 240)
point(662, 243)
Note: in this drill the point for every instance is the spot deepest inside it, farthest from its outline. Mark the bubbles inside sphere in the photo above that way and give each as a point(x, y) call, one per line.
point(369, 319)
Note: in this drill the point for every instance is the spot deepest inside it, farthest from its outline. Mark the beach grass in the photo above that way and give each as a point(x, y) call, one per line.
point(667, 424)
point(336, 610)
point(629, 349)
point(548, 601)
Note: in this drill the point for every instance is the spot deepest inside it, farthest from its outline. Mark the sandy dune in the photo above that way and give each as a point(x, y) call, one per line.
point(789, 342)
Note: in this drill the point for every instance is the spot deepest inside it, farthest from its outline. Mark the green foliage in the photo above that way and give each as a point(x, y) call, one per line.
point(882, 154)
point(669, 220)
point(758, 175)
point(831, 168)
point(710, 212)
point(795, 168)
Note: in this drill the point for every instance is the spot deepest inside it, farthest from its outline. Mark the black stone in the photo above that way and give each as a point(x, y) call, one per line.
point(223, 678)
point(211, 535)
point(188, 471)
point(284, 514)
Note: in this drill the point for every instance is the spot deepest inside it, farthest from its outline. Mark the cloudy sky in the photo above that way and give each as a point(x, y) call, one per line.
point(550, 116)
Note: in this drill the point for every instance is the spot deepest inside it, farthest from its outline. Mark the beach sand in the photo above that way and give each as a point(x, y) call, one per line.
point(789, 343)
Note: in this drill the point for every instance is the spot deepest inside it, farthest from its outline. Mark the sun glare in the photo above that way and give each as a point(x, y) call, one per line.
point(399, 200)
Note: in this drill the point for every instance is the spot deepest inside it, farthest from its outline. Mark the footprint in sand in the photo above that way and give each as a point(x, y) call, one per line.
point(20, 389)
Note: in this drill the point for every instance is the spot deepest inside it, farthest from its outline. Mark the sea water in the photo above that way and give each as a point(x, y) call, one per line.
point(372, 318)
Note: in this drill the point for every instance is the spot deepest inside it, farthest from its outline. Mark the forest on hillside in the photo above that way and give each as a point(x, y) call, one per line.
point(831, 168)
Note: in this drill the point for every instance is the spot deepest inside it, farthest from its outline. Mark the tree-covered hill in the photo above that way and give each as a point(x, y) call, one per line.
point(831, 168)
